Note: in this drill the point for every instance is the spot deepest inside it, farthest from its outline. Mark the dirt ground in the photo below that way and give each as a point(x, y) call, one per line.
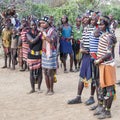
point(16, 104)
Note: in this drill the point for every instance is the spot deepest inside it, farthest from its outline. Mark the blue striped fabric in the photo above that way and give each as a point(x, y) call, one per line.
point(93, 42)
point(51, 62)
point(85, 36)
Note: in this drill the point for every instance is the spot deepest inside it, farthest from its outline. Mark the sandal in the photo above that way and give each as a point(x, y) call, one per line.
point(71, 70)
point(4, 67)
point(90, 101)
point(32, 91)
point(65, 71)
point(50, 93)
point(75, 101)
point(93, 107)
point(98, 110)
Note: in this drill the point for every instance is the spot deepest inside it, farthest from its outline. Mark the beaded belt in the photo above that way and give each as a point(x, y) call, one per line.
point(36, 52)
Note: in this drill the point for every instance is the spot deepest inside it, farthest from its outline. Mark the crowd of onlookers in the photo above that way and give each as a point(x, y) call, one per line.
point(36, 45)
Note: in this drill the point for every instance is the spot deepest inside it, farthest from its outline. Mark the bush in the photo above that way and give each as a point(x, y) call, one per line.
point(115, 11)
point(72, 8)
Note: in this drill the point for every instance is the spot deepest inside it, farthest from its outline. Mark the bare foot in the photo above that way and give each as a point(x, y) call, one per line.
point(4, 67)
point(39, 91)
point(32, 91)
point(50, 92)
point(47, 91)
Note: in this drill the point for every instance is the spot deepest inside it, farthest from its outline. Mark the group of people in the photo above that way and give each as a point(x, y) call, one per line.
point(97, 63)
point(35, 45)
point(90, 44)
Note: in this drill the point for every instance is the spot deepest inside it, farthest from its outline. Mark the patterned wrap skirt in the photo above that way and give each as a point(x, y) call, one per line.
point(51, 62)
point(25, 49)
point(34, 63)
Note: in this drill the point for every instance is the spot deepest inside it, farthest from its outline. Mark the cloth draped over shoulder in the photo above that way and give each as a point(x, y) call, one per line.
point(25, 45)
point(49, 52)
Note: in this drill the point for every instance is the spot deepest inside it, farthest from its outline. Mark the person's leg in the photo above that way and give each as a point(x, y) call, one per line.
point(13, 57)
point(55, 72)
point(80, 87)
point(5, 60)
point(75, 64)
point(93, 87)
point(16, 55)
point(93, 84)
point(9, 56)
point(71, 62)
point(64, 62)
point(25, 63)
point(24, 66)
point(47, 80)
point(79, 63)
point(32, 81)
point(5, 57)
point(96, 88)
point(51, 80)
point(108, 100)
point(101, 102)
point(77, 60)
point(39, 78)
point(79, 93)
point(20, 60)
point(74, 59)
point(91, 99)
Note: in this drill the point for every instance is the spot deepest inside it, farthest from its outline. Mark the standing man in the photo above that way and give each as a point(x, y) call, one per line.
point(34, 56)
point(65, 43)
point(49, 53)
point(107, 69)
point(85, 68)
point(93, 53)
point(77, 36)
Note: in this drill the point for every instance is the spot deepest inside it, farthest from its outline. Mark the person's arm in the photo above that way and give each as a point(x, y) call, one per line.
point(17, 38)
point(19, 42)
point(115, 24)
point(71, 37)
point(113, 38)
point(11, 35)
point(97, 32)
point(32, 40)
point(82, 49)
point(108, 55)
point(51, 38)
point(2, 34)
